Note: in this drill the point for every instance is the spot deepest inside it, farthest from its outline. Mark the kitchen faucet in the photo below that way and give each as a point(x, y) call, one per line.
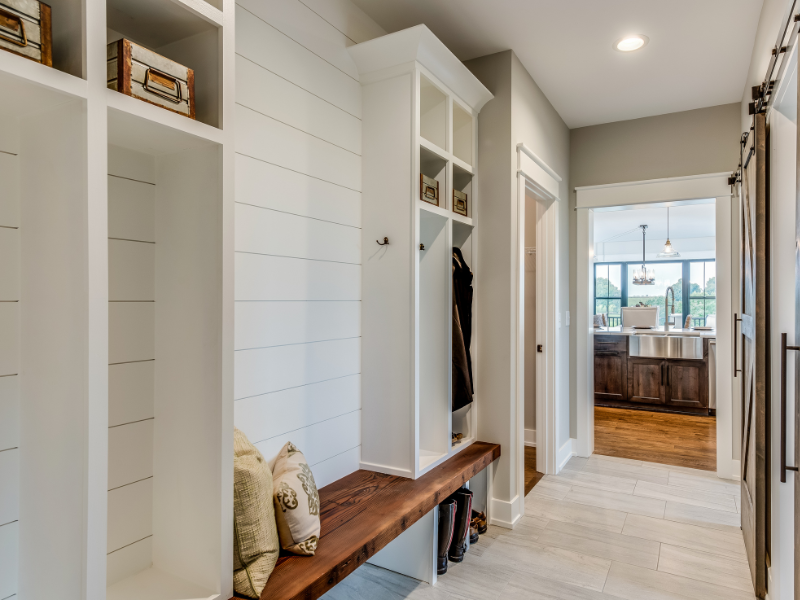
point(666, 307)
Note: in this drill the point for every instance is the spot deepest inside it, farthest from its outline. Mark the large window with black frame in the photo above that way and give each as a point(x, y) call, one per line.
point(692, 281)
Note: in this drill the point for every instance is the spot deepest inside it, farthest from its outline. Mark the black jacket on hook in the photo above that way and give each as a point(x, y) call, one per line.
point(463, 388)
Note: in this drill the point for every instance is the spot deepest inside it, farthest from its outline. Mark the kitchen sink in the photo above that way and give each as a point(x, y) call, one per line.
point(663, 346)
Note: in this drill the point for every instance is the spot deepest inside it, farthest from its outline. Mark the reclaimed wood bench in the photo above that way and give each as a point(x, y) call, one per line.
point(364, 511)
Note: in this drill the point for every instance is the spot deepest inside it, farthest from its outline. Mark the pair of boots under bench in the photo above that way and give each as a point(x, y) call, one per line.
point(455, 515)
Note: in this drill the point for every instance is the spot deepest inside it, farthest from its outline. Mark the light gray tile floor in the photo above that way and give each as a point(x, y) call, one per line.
point(604, 529)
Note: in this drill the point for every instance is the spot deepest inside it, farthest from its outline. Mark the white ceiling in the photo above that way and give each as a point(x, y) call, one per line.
point(689, 221)
point(698, 55)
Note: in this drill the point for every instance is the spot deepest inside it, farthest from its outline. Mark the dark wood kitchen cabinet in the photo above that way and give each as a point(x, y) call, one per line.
point(646, 380)
point(610, 368)
point(659, 384)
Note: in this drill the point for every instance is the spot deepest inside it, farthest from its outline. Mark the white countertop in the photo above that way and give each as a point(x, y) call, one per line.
point(655, 331)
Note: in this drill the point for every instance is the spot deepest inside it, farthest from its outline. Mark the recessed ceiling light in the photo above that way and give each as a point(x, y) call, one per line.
point(631, 42)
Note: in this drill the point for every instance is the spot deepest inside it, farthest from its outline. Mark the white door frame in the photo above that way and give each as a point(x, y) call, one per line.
point(675, 191)
point(537, 179)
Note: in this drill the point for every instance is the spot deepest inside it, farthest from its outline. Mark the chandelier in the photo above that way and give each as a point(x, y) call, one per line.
point(668, 252)
point(644, 276)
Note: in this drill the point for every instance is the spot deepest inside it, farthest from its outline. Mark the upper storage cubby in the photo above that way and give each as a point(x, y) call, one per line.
point(462, 134)
point(432, 113)
point(419, 111)
point(187, 32)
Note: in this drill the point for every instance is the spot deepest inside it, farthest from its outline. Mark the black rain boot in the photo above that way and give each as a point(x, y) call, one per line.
point(458, 547)
point(447, 521)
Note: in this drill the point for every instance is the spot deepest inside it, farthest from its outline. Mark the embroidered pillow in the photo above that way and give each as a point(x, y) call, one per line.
point(296, 502)
point(255, 533)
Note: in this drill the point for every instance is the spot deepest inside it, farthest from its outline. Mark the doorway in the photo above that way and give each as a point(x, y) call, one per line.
point(594, 202)
point(654, 277)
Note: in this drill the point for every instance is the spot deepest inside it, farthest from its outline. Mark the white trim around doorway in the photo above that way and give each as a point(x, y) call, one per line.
point(673, 191)
point(537, 179)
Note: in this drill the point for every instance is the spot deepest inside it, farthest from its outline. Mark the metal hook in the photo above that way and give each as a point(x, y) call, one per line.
point(422, 246)
point(385, 242)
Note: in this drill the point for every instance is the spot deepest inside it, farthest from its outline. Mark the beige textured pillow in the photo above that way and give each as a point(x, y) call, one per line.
point(255, 533)
point(296, 502)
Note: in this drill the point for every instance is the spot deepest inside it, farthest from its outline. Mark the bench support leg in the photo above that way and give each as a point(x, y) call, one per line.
point(413, 552)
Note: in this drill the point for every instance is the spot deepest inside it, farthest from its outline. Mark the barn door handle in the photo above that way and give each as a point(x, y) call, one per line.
point(784, 348)
point(736, 320)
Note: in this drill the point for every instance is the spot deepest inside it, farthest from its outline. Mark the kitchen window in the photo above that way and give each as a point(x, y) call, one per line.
point(692, 281)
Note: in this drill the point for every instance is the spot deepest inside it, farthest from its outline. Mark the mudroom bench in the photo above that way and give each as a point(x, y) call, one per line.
point(362, 513)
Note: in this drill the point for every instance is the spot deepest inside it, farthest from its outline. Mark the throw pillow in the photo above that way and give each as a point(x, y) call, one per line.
point(255, 544)
point(296, 502)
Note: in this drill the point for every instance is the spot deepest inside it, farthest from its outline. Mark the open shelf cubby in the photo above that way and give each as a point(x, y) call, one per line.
point(413, 119)
point(186, 31)
point(116, 311)
point(462, 133)
point(432, 113)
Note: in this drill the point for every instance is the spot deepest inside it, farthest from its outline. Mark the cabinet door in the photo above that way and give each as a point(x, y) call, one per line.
point(646, 380)
point(610, 377)
point(687, 384)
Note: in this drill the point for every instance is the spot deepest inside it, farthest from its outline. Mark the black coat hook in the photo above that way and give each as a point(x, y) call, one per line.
point(422, 246)
point(385, 242)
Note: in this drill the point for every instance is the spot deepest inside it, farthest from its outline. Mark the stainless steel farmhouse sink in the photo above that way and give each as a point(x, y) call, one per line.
point(662, 346)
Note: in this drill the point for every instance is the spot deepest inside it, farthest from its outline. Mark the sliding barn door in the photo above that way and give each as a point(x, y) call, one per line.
point(754, 347)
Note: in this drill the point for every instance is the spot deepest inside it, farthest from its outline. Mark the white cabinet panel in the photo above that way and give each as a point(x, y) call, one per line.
point(131, 389)
point(270, 186)
point(9, 264)
point(268, 47)
point(265, 324)
point(270, 415)
point(9, 559)
point(129, 560)
point(262, 231)
point(9, 199)
point(294, 149)
point(9, 486)
point(130, 514)
point(130, 453)
point(271, 369)
point(279, 278)
point(131, 331)
point(318, 442)
point(275, 97)
point(131, 271)
point(9, 338)
point(131, 210)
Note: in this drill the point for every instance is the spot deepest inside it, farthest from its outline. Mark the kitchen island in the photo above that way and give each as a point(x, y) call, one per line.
point(652, 369)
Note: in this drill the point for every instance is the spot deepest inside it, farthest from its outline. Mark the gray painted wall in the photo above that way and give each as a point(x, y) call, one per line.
point(693, 142)
point(519, 112)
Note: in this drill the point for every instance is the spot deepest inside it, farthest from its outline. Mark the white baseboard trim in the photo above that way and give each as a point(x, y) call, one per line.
point(530, 437)
point(506, 514)
point(565, 453)
point(736, 468)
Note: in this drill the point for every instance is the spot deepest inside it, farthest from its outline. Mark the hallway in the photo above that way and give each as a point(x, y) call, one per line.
point(604, 528)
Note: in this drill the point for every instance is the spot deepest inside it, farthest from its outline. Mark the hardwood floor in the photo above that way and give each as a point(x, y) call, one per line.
point(532, 476)
point(670, 439)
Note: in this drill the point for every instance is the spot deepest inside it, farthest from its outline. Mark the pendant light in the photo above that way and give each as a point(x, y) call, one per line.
point(668, 252)
point(643, 276)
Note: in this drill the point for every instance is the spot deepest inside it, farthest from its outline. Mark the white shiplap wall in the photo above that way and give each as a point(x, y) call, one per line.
point(298, 229)
point(9, 365)
point(131, 356)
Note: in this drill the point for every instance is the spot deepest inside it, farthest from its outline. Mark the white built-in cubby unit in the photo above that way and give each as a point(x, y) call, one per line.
point(420, 111)
point(116, 313)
